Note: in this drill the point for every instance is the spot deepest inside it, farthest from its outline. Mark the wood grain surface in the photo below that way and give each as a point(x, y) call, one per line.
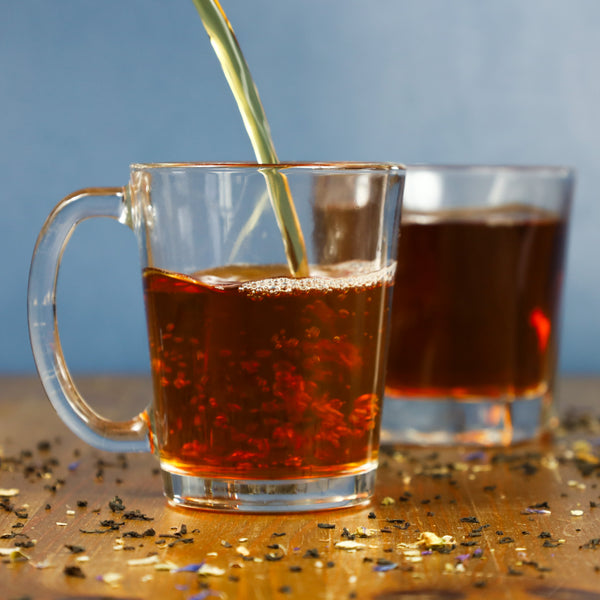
point(522, 522)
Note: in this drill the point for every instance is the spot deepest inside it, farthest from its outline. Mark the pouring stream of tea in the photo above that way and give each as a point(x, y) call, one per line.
point(246, 96)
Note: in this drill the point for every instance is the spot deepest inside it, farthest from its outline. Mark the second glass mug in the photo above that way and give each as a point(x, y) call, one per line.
point(476, 311)
point(268, 388)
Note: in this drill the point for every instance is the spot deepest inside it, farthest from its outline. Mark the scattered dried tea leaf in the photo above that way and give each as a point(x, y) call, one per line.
point(136, 534)
point(74, 571)
point(274, 556)
point(116, 504)
point(136, 515)
point(469, 520)
point(506, 540)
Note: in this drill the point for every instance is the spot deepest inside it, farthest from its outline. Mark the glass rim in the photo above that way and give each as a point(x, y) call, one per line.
point(300, 165)
point(564, 170)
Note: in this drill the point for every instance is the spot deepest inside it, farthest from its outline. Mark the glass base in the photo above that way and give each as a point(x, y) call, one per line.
point(476, 421)
point(270, 496)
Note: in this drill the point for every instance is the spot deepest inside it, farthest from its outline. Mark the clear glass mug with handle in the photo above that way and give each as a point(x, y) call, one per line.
point(267, 387)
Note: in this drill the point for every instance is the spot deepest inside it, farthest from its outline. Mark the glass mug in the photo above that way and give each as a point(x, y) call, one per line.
point(475, 317)
point(267, 388)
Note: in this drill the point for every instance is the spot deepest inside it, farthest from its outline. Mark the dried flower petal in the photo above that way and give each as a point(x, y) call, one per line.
point(433, 542)
point(111, 579)
point(14, 554)
point(206, 570)
point(191, 568)
point(349, 545)
point(143, 562)
point(387, 566)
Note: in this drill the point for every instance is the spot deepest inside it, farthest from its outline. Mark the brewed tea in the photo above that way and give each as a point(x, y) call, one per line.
point(261, 376)
point(476, 302)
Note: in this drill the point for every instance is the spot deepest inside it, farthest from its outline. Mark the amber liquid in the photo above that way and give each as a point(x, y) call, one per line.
point(476, 304)
point(261, 376)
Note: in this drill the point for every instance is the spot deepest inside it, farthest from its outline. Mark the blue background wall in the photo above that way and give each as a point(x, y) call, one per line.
point(86, 88)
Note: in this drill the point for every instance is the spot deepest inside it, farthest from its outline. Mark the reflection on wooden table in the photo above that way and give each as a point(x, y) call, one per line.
point(444, 524)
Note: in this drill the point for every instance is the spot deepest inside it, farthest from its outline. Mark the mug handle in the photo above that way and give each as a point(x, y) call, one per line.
point(115, 436)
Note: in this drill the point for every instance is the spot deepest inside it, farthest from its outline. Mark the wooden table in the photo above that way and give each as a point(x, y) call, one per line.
point(524, 520)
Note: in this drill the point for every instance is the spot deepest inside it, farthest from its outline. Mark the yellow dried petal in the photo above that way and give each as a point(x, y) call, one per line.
point(434, 542)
